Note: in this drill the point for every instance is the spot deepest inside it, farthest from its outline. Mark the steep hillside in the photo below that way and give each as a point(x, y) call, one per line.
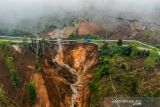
point(122, 30)
point(125, 72)
point(72, 73)
point(59, 79)
point(126, 31)
point(23, 63)
point(81, 28)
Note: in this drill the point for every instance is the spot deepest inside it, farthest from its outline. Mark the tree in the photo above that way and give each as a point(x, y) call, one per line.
point(123, 67)
point(16, 82)
point(127, 50)
point(74, 35)
point(104, 71)
point(146, 53)
point(93, 85)
point(120, 42)
point(105, 50)
point(32, 92)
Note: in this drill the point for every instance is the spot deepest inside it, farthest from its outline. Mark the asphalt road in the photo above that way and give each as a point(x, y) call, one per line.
point(64, 41)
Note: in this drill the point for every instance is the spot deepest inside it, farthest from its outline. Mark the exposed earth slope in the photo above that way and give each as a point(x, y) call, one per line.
point(54, 85)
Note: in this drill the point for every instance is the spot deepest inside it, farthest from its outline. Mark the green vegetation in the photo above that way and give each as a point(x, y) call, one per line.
point(14, 32)
point(32, 93)
point(123, 67)
point(16, 82)
point(3, 42)
point(129, 83)
point(127, 51)
point(151, 61)
point(108, 81)
point(8, 41)
point(75, 35)
point(110, 50)
point(120, 42)
point(8, 59)
point(105, 68)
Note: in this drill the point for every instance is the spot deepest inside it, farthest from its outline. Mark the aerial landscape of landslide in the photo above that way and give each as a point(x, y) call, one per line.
point(76, 73)
point(80, 53)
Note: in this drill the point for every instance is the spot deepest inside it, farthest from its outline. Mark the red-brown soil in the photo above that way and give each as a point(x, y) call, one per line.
point(23, 62)
point(53, 85)
point(90, 28)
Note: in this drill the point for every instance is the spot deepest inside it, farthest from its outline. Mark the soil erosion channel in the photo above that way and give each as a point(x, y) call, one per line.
point(74, 64)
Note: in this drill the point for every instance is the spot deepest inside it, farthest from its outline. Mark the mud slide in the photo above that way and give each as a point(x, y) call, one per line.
point(73, 86)
point(79, 60)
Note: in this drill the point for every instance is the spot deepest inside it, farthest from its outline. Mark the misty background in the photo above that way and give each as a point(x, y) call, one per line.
point(32, 14)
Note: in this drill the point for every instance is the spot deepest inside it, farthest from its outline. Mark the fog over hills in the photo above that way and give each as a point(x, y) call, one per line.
point(31, 12)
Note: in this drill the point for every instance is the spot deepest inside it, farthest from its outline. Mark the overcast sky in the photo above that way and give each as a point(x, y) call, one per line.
point(14, 10)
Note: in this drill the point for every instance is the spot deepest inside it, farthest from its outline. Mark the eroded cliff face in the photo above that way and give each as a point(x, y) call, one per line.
point(67, 74)
point(24, 61)
point(64, 80)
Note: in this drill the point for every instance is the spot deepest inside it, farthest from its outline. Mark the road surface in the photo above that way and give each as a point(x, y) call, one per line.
point(66, 41)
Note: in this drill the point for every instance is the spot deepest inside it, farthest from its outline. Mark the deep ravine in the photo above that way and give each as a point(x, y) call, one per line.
point(75, 93)
point(67, 71)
